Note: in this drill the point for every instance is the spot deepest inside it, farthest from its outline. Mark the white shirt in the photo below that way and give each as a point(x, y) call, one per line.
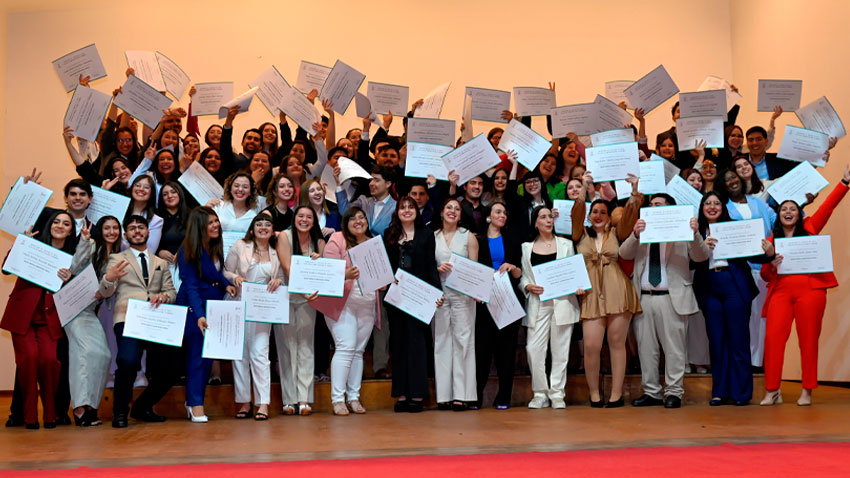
point(137, 254)
point(228, 219)
point(744, 209)
point(644, 277)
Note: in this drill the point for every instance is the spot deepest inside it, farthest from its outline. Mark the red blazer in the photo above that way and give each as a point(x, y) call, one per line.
point(21, 307)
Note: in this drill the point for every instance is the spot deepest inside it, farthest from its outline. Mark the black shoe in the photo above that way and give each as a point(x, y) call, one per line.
point(14, 421)
point(147, 416)
point(616, 404)
point(459, 406)
point(383, 374)
point(672, 401)
point(402, 406)
point(49, 425)
point(444, 406)
point(63, 419)
point(32, 426)
point(647, 401)
point(119, 420)
point(214, 381)
point(597, 404)
point(414, 406)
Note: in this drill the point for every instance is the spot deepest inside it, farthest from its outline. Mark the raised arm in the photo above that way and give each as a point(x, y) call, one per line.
point(817, 221)
point(631, 211)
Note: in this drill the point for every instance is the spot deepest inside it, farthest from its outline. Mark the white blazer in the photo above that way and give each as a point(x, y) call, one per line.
point(566, 308)
point(239, 258)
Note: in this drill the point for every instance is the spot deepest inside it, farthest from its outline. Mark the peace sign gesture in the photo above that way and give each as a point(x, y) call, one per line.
point(117, 271)
point(85, 232)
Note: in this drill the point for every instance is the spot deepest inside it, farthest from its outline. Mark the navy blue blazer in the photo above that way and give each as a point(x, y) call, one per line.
point(196, 290)
point(741, 276)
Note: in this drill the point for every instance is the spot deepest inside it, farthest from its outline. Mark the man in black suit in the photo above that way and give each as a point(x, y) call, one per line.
point(252, 141)
point(767, 165)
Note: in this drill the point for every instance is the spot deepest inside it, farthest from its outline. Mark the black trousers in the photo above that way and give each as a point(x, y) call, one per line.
point(409, 349)
point(163, 370)
point(499, 345)
point(62, 399)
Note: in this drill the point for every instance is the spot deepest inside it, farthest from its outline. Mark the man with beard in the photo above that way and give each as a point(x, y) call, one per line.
point(252, 141)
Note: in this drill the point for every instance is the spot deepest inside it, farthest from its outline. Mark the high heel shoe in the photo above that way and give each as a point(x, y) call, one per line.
point(805, 398)
point(616, 403)
point(193, 418)
point(772, 397)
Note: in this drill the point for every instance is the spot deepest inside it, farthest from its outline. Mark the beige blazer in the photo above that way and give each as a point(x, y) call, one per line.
point(239, 261)
point(566, 308)
point(132, 285)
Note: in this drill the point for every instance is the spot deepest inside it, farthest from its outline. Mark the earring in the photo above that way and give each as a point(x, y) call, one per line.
point(488, 220)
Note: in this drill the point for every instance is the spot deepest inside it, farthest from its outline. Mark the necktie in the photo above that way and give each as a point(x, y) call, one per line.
point(655, 264)
point(144, 267)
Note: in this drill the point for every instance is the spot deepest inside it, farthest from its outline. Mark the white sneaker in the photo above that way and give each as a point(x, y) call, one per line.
point(558, 403)
point(538, 402)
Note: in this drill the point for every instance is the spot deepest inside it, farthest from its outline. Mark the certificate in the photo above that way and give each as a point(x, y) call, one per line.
point(37, 262)
point(612, 162)
point(176, 80)
point(504, 307)
point(271, 86)
point(243, 101)
point(670, 169)
point(86, 112)
point(428, 130)
point(107, 203)
point(348, 169)
point(209, 96)
point(386, 98)
point(651, 180)
point(163, 324)
point(579, 119)
point(432, 104)
point(424, 159)
point(684, 193)
point(705, 128)
point(311, 76)
point(561, 277)
point(342, 82)
point(800, 144)
point(796, 183)
point(784, 93)
point(370, 258)
point(612, 136)
point(22, 206)
point(264, 306)
point(364, 107)
point(804, 254)
point(529, 146)
point(652, 90)
point(228, 238)
point(200, 184)
point(146, 68)
point(414, 296)
point(85, 61)
point(488, 105)
point(224, 338)
point(609, 115)
point(615, 91)
point(299, 109)
point(471, 159)
point(533, 101)
point(76, 295)
point(564, 221)
point(819, 115)
point(703, 103)
point(667, 224)
point(141, 101)
point(737, 238)
point(325, 275)
point(470, 278)
point(717, 83)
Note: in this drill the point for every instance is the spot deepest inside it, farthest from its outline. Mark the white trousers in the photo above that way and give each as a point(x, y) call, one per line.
point(546, 335)
point(294, 342)
point(254, 366)
point(758, 324)
point(454, 349)
point(88, 359)
point(351, 334)
point(660, 324)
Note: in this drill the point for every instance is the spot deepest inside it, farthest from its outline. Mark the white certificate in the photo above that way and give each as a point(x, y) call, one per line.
point(200, 183)
point(470, 278)
point(224, 338)
point(667, 224)
point(85, 61)
point(684, 193)
point(414, 296)
point(737, 238)
point(146, 68)
point(429, 130)
point(325, 275)
point(471, 158)
point(37, 262)
point(784, 93)
point(243, 101)
point(670, 169)
point(107, 203)
point(424, 159)
point(615, 91)
point(529, 146)
point(299, 109)
point(76, 295)
point(533, 101)
point(271, 88)
point(141, 101)
point(210, 96)
point(612, 162)
point(387, 98)
point(86, 112)
point(342, 82)
point(609, 115)
point(371, 260)
point(487, 105)
point(819, 115)
point(432, 104)
point(612, 136)
point(651, 180)
point(311, 76)
point(652, 90)
point(348, 169)
point(800, 144)
point(504, 307)
point(579, 119)
point(717, 83)
point(228, 238)
point(163, 324)
point(564, 221)
point(794, 184)
point(22, 206)
point(264, 306)
point(703, 103)
point(176, 80)
point(561, 277)
point(804, 254)
point(705, 128)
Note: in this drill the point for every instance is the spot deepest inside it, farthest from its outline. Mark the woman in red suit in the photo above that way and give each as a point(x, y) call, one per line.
point(796, 296)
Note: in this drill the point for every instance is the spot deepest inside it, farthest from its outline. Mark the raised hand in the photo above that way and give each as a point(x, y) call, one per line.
point(84, 81)
point(192, 91)
point(35, 176)
point(117, 271)
point(312, 95)
point(387, 120)
point(640, 226)
point(328, 105)
point(85, 231)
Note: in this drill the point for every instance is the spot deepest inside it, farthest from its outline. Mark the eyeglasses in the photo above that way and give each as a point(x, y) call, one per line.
point(532, 181)
point(145, 187)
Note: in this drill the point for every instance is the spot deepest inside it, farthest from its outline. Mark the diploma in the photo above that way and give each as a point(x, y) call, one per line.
point(684, 193)
point(564, 221)
point(487, 105)
point(342, 82)
point(705, 128)
point(561, 277)
point(533, 101)
point(609, 115)
point(652, 90)
point(432, 104)
point(37, 262)
point(141, 101)
point(264, 306)
point(612, 136)
point(107, 203)
point(325, 275)
point(703, 103)
point(224, 338)
point(85, 61)
point(784, 93)
point(471, 159)
point(819, 115)
point(424, 159)
point(804, 254)
point(311, 76)
point(470, 278)
point(800, 144)
point(243, 101)
point(794, 184)
point(200, 183)
point(146, 68)
point(364, 107)
point(414, 296)
point(75, 296)
point(651, 180)
point(22, 206)
point(737, 238)
point(349, 169)
point(86, 112)
point(529, 146)
point(271, 86)
point(612, 162)
point(579, 119)
point(299, 109)
point(504, 306)
point(717, 83)
point(163, 324)
point(670, 169)
point(428, 130)
point(388, 98)
point(667, 224)
point(371, 260)
point(209, 96)
point(615, 91)
point(176, 80)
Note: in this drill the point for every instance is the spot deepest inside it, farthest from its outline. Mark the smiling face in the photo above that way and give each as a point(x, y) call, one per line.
point(407, 210)
point(756, 143)
point(388, 158)
point(378, 186)
point(263, 227)
point(170, 197)
point(304, 219)
point(354, 135)
point(712, 208)
point(347, 145)
point(252, 142)
point(533, 186)
point(570, 154)
point(269, 134)
point(545, 221)
point(548, 166)
point(599, 216)
point(709, 172)
point(744, 168)
point(474, 188)
point(124, 142)
point(121, 171)
point(495, 139)
point(358, 225)
point(500, 181)
point(260, 161)
point(574, 187)
point(213, 229)
point(298, 151)
point(316, 193)
point(142, 189)
point(212, 161)
point(666, 149)
point(136, 234)
point(451, 212)
point(111, 231)
point(240, 188)
point(285, 190)
point(732, 182)
point(736, 138)
point(191, 145)
point(165, 164)
point(294, 168)
point(498, 216)
point(214, 136)
point(419, 195)
point(789, 214)
point(169, 138)
point(77, 200)
point(60, 228)
point(695, 180)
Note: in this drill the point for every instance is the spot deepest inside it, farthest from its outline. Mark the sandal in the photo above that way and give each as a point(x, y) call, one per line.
point(261, 417)
point(243, 414)
point(305, 409)
point(356, 407)
point(289, 409)
point(340, 409)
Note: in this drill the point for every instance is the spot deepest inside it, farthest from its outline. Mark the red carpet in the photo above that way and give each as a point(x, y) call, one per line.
point(796, 459)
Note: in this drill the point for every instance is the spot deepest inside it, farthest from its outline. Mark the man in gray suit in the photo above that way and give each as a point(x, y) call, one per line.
point(663, 277)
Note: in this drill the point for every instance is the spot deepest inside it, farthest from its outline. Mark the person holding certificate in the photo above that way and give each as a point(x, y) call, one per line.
point(502, 188)
point(240, 205)
point(143, 203)
point(281, 199)
point(767, 165)
point(174, 211)
point(313, 195)
point(210, 159)
point(797, 296)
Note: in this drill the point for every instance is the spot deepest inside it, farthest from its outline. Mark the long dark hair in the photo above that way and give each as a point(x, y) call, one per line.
point(155, 167)
point(395, 230)
point(274, 146)
point(197, 241)
point(350, 240)
point(702, 220)
point(720, 183)
point(228, 185)
point(315, 232)
point(70, 244)
point(534, 232)
point(489, 210)
point(271, 192)
point(799, 230)
point(262, 216)
point(101, 248)
point(218, 175)
point(756, 186)
point(438, 222)
point(591, 232)
point(150, 207)
point(182, 208)
point(207, 135)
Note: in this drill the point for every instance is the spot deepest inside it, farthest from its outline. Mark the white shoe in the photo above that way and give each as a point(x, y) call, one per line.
point(193, 418)
point(772, 397)
point(558, 403)
point(538, 402)
point(702, 370)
